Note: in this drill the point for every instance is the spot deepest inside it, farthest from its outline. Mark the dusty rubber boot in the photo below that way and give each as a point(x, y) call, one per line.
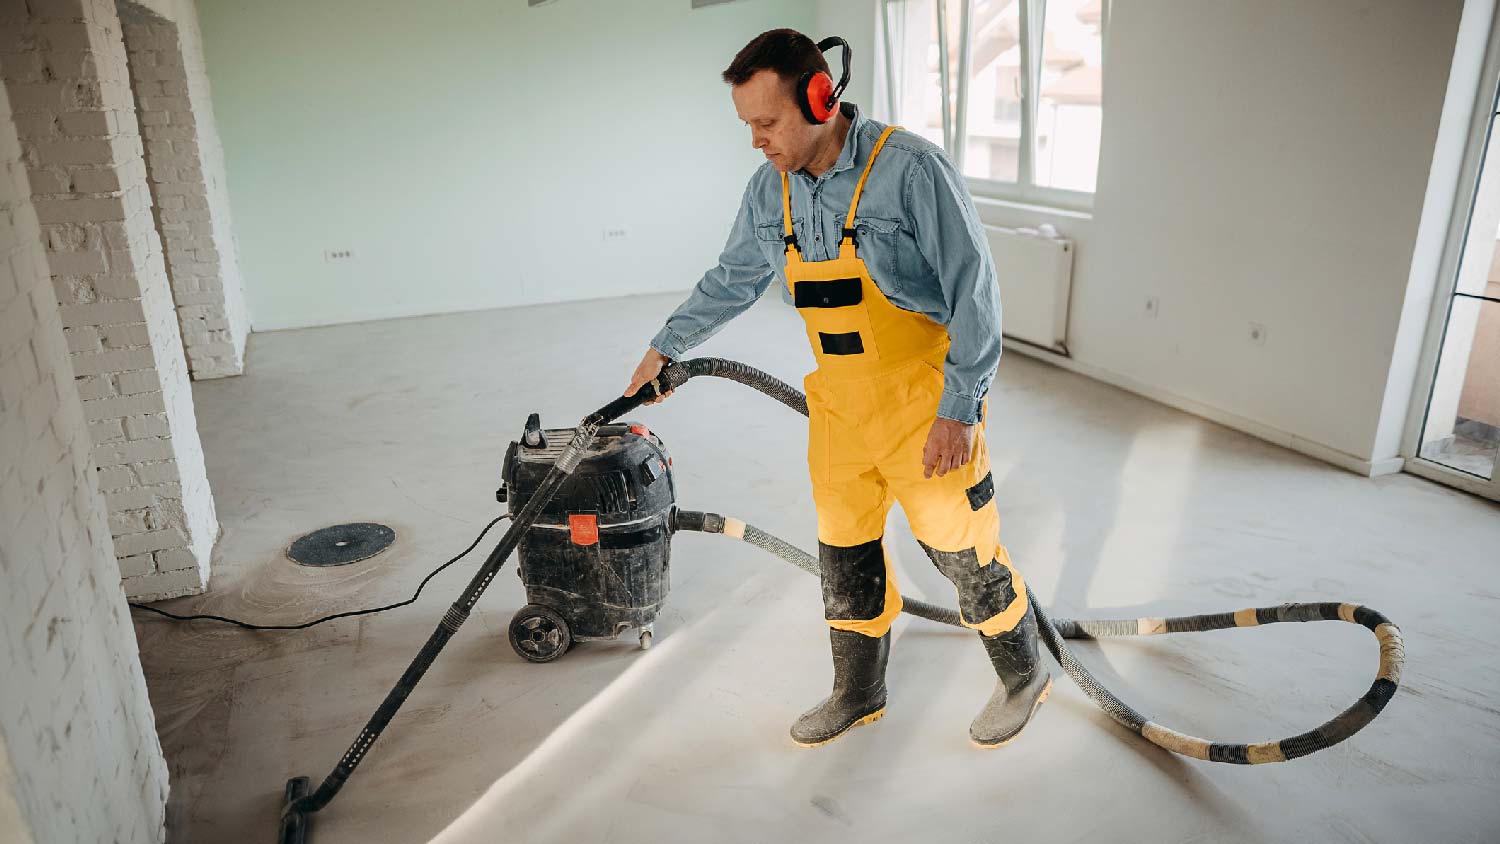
point(1021, 686)
point(858, 689)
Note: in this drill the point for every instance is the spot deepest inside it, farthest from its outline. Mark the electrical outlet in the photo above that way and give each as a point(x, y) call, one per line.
point(332, 255)
point(616, 233)
point(1153, 307)
point(1257, 334)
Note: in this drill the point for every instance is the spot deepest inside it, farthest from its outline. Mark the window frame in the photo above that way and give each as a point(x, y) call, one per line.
point(955, 102)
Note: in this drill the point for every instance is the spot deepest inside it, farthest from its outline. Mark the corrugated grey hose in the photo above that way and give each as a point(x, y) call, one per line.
point(1053, 631)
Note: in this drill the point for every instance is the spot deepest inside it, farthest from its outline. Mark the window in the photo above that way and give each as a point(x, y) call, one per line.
point(1011, 89)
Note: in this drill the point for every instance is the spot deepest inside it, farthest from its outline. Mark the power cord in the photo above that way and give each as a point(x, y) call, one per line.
point(371, 611)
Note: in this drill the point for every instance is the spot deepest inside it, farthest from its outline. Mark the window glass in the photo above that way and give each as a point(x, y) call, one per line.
point(1069, 108)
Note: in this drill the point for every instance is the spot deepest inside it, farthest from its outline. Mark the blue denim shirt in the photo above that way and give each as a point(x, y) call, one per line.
point(917, 229)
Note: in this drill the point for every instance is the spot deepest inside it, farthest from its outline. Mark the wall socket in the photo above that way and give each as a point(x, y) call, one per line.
point(1256, 334)
point(1153, 307)
point(616, 233)
point(332, 255)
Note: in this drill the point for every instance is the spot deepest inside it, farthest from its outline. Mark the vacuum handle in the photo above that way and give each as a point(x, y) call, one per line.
point(671, 376)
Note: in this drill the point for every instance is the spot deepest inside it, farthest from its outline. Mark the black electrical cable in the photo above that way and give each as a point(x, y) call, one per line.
point(370, 611)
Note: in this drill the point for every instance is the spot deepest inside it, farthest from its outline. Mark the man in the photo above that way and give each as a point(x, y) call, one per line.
point(882, 252)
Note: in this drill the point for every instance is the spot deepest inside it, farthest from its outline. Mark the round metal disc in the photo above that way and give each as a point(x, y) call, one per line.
point(341, 544)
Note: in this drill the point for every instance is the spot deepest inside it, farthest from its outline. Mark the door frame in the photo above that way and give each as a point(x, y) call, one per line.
point(1483, 120)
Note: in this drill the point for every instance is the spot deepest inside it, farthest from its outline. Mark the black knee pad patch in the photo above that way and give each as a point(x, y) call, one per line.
point(981, 493)
point(983, 591)
point(853, 581)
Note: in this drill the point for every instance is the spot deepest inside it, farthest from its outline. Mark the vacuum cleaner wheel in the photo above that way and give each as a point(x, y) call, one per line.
point(539, 634)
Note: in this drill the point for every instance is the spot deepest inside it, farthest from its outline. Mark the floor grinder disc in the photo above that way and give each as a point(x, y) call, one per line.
point(341, 544)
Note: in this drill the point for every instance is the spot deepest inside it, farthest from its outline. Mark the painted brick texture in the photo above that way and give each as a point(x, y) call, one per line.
point(64, 66)
point(185, 166)
point(79, 757)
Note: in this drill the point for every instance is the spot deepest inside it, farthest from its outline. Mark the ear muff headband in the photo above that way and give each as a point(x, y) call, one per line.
point(817, 96)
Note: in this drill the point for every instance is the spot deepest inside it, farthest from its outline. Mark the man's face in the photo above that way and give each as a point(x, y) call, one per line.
point(777, 127)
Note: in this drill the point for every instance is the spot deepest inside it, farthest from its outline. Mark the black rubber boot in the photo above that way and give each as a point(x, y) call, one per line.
point(1022, 685)
point(858, 689)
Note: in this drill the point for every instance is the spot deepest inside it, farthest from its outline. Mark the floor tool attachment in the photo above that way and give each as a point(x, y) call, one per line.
point(294, 825)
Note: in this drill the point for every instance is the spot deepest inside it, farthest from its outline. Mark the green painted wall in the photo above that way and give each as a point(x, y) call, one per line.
point(471, 152)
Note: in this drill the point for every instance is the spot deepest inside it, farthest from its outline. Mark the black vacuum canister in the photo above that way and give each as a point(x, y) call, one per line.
point(595, 561)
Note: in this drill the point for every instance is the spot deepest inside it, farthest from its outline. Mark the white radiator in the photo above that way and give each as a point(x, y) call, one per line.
point(1036, 279)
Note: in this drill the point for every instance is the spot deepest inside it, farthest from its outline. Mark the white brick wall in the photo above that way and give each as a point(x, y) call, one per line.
point(186, 166)
point(64, 66)
point(79, 757)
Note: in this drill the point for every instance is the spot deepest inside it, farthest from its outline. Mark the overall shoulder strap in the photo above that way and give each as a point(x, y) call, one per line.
point(786, 217)
point(860, 188)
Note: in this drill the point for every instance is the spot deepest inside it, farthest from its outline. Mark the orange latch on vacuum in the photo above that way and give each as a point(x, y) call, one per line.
point(584, 528)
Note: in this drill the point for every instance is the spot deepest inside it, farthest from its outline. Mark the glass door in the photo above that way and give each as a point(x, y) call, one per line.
point(1460, 436)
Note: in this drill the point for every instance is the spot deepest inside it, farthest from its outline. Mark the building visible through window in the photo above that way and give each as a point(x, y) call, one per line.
point(1012, 89)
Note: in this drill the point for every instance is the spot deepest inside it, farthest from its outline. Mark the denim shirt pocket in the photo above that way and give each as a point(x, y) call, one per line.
point(773, 235)
point(771, 238)
point(878, 239)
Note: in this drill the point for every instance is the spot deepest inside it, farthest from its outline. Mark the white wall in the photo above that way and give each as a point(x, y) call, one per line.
point(1262, 162)
point(79, 757)
point(855, 22)
point(471, 153)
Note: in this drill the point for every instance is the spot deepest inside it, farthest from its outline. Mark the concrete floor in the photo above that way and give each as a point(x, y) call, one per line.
point(1112, 505)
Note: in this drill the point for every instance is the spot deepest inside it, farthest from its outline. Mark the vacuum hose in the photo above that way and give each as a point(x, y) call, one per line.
point(1054, 631)
point(302, 800)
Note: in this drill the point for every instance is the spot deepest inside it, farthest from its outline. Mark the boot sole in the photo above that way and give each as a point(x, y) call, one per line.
point(1036, 704)
point(868, 719)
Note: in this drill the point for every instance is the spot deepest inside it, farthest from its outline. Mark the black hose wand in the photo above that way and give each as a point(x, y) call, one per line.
point(300, 803)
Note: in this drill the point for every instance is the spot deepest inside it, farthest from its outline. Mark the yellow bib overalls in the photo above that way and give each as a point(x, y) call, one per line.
point(871, 402)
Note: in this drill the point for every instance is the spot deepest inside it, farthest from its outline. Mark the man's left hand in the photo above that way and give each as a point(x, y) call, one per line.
point(950, 444)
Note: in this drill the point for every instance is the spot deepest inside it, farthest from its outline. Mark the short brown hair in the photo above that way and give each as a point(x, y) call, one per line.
point(786, 51)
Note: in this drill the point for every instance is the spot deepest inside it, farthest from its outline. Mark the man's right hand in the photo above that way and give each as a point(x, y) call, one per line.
point(648, 369)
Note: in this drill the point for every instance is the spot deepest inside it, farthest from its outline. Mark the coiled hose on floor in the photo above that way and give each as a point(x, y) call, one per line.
point(1054, 631)
point(302, 800)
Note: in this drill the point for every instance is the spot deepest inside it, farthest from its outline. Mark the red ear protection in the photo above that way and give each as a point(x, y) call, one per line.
point(817, 96)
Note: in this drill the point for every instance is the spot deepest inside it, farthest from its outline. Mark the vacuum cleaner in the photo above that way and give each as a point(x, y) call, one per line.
point(594, 561)
point(593, 511)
